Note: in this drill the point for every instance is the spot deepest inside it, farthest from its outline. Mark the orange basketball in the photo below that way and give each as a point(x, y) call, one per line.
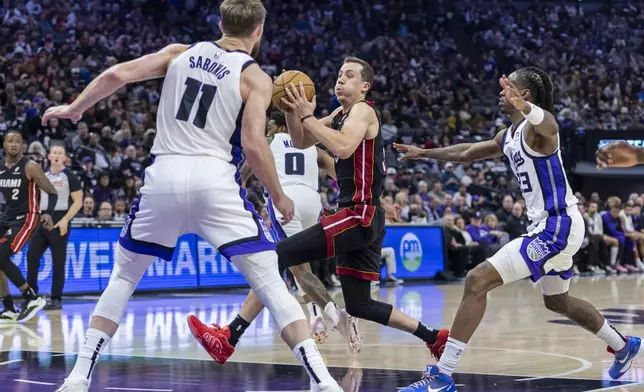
point(284, 80)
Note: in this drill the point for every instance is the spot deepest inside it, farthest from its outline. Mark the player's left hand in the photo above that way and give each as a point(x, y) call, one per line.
point(616, 154)
point(297, 102)
point(47, 221)
point(62, 225)
point(512, 94)
point(62, 111)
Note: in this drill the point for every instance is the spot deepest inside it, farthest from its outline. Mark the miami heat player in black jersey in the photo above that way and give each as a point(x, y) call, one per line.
point(20, 181)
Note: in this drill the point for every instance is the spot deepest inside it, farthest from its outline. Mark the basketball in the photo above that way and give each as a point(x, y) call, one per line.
point(285, 79)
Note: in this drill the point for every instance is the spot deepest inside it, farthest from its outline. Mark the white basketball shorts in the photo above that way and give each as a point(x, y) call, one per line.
point(194, 194)
point(545, 253)
point(308, 208)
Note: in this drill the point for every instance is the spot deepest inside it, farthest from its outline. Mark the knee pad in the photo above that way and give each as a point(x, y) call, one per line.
point(261, 273)
point(128, 269)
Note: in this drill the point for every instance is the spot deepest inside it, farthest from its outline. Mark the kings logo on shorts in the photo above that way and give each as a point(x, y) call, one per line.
point(537, 250)
point(411, 252)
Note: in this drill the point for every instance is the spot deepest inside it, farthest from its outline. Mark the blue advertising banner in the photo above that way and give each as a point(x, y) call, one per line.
point(90, 257)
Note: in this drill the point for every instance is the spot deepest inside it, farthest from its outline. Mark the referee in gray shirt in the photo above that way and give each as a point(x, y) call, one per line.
point(70, 200)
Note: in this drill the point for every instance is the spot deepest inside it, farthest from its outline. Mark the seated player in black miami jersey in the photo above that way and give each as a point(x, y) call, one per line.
point(20, 181)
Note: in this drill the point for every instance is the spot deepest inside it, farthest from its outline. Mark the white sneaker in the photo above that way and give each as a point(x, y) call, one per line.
point(640, 265)
point(325, 387)
point(318, 329)
point(575, 270)
point(335, 281)
point(8, 317)
point(30, 309)
point(74, 386)
point(348, 327)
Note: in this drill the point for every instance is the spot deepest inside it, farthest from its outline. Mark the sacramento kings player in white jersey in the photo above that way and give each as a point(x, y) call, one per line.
point(210, 118)
point(544, 254)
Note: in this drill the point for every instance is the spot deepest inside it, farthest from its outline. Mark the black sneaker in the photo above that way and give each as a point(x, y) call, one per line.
point(55, 304)
point(30, 309)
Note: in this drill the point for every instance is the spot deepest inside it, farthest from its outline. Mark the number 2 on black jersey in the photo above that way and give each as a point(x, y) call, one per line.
point(188, 101)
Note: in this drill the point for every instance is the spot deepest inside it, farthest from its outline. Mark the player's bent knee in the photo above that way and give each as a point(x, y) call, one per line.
point(379, 312)
point(557, 303)
point(482, 279)
point(114, 299)
point(261, 273)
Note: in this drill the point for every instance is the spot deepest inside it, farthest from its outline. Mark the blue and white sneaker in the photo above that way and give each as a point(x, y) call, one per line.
point(434, 381)
point(624, 357)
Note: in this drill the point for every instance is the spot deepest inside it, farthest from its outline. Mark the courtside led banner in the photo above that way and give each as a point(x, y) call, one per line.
point(90, 257)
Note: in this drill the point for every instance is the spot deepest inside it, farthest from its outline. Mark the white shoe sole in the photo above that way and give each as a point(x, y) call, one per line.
point(39, 306)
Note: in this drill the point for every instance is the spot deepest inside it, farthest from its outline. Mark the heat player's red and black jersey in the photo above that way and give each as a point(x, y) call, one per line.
point(21, 196)
point(361, 176)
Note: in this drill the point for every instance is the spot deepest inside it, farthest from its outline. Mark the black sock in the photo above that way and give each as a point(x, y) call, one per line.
point(29, 294)
point(428, 335)
point(7, 302)
point(237, 329)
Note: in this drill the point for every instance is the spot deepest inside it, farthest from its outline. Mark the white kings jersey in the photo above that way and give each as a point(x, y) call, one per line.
point(201, 105)
point(541, 178)
point(294, 166)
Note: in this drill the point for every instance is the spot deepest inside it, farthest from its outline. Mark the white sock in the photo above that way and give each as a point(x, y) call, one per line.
point(613, 255)
point(308, 354)
point(95, 342)
point(313, 310)
point(609, 334)
point(332, 311)
point(452, 354)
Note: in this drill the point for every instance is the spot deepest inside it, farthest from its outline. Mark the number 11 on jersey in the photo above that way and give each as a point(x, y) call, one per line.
point(189, 97)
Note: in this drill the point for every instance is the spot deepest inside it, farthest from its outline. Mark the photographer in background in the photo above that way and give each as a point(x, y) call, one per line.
point(70, 199)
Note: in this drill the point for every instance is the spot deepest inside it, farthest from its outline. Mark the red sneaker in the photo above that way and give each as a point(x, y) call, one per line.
point(213, 338)
point(439, 346)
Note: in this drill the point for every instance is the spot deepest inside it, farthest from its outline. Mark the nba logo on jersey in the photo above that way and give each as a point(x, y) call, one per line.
point(537, 250)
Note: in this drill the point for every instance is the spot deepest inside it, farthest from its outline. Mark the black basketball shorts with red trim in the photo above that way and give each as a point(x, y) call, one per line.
point(16, 232)
point(353, 234)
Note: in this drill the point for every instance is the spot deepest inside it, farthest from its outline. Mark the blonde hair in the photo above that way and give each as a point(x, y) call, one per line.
point(240, 18)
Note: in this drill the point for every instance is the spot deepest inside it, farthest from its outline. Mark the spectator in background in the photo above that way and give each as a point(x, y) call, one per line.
point(625, 216)
point(477, 252)
point(505, 212)
point(614, 234)
point(102, 191)
point(402, 205)
point(517, 224)
point(495, 238)
point(457, 252)
point(130, 166)
point(120, 210)
point(437, 192)
point(104, 212)
point(128, 191)
point(449, 180)
point(433, 212)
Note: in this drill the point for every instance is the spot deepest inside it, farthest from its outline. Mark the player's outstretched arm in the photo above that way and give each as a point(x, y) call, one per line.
point(464, 152)
point(151, 66)
point(619, 154)
point(326, 163)
point(256, 89)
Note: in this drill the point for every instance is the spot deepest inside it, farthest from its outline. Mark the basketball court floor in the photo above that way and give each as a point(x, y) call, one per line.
point(520, 346)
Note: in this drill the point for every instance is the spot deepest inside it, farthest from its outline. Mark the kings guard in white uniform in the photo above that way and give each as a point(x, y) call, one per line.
point(212, 109)
point(545, 253)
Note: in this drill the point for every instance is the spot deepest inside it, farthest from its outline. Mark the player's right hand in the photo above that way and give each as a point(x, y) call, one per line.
point(286, 207)
point(47, 221)
point(616, 154)
point(62, 111)
point(411, 152)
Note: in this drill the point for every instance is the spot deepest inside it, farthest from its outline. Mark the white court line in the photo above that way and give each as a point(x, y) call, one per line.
point(301, 390)
point(34, 382)
point(617, 387)
point(138, 389)
point(344, 367)
point(12, 361)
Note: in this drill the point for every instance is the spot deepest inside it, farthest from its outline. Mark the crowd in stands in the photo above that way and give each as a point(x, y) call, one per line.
point(437, 67)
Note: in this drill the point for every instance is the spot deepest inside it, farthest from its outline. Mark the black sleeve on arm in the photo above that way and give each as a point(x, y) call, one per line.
point(74, 182)
point(51, 203)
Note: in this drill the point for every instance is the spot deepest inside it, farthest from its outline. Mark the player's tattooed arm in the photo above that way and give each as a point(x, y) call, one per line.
point(326, 163)
point(463, 152)
point(34, 173)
